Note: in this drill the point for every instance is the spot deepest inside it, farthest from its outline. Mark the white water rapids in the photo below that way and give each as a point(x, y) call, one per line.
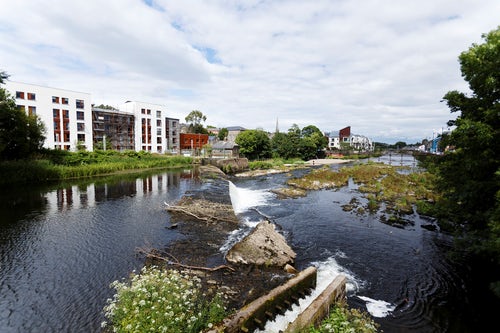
point(243, 200)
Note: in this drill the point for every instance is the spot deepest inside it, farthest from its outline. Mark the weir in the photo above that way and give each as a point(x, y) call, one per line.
point(279, 301)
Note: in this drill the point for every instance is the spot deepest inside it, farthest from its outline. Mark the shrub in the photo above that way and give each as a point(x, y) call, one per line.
point(344, 320)
point(158, 300)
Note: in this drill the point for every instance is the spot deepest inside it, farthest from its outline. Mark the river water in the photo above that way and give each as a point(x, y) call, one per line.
point(62, 246)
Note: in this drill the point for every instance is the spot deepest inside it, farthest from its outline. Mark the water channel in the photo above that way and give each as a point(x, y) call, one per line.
point(61, 246)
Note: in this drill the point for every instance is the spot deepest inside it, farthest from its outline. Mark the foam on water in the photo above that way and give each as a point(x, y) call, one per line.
point(237, 235)
point(377, 308)
point(243, 199)
point(327, 271)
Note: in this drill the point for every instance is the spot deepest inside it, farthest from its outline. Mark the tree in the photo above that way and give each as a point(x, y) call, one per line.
point(223, 134)
point(281, 146)
point(195, 119)
point(20, 134)
point(254, 144)
point(400, 145)
point(469, 177)
point(318, 139)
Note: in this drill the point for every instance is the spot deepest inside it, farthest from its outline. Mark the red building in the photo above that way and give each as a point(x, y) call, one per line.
point(193, 140)
point(345, 134)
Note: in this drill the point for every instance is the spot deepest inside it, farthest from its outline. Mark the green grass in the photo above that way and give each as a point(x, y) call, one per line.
point(61, 165)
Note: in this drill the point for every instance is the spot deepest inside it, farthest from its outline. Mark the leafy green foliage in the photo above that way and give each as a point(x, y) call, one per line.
point(195, 119)
point(21, 135)
point(254, 144)
point(469, 177)
point(345, 320)
point(60, 164)
point(223, 134)
point(158, 300)
point(306, 144)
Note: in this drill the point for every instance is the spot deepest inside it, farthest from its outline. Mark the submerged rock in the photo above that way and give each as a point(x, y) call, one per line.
point(263, 246)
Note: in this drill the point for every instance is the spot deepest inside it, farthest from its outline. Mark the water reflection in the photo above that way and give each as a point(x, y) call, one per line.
point(61, 247)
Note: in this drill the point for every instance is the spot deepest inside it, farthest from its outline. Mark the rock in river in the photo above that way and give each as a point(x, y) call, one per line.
point(263, 246)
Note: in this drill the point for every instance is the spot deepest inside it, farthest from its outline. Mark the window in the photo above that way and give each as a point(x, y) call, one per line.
point(20, 94)
point(57, 138)
point(80, 115)
point(32, 110)
point(56, 128)
point(158, 140)
point(80, 104)
point(21, 108)
point(65, 114)
point(80, 127)
point(174, 124)
point(148, 111)
point(158, 123)
point(55, 99)
point(158, 131)
point(65, 100)
point(66, 127)
point(158, 114)
point(81, 137)
point(55, 113)
point(31, 96)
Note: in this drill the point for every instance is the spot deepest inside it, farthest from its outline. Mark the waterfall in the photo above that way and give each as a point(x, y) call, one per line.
point(243, 199)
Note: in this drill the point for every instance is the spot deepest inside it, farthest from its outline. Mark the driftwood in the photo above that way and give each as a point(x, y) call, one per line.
point(171, 260)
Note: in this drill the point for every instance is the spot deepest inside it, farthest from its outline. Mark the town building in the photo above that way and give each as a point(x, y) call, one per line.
point(344, 138)
point(154, 131)
point(113, 128)
point(233, 131)
point(66, 114)
point(333, 140)
point(193, 141)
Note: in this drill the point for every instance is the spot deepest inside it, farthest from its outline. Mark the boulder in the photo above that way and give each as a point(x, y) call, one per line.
point(263, 246)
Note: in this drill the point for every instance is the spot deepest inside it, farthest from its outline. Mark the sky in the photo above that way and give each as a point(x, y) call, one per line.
point(379, 66)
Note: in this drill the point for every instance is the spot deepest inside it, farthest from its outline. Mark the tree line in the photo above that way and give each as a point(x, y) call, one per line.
point(306, 143)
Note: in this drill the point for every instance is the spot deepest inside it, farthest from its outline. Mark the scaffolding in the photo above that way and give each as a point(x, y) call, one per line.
point(113, 129)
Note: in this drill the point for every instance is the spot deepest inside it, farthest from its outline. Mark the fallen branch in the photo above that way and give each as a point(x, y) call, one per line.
point(150, 253)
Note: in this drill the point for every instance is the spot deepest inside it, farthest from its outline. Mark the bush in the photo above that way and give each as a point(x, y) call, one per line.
point(344, 320)
point(158, 300)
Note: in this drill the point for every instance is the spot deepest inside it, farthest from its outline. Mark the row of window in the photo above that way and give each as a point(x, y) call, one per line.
point(30, 96)
point(148, 111)
point(80, 104)
point(31, 109)
point(80, 115)
point(62, 100)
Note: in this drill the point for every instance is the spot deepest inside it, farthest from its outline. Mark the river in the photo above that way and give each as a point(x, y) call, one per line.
point(61, 246)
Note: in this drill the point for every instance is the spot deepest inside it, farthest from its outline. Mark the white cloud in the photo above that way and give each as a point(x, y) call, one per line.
point(381, 67)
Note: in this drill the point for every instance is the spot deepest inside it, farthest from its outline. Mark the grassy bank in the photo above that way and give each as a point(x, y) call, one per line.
point(61, 165)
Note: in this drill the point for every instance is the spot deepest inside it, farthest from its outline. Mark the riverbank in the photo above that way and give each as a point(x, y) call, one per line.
point(62, 165)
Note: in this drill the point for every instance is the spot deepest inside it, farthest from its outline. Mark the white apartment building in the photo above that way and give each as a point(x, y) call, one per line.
point(66, 114)
point(154, 131)
point(333, 140)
